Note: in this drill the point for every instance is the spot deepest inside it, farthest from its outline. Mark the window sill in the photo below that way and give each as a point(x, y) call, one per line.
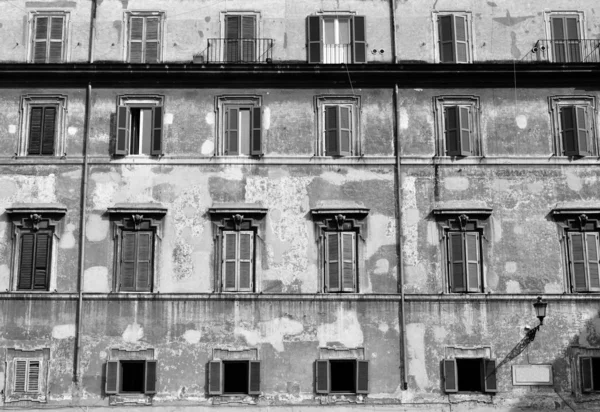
point(129, 398)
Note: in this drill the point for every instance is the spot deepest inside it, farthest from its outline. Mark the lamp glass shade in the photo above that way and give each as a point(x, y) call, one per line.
point(540, 308)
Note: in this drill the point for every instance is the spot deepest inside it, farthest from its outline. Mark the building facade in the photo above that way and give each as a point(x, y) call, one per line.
point(297, 204)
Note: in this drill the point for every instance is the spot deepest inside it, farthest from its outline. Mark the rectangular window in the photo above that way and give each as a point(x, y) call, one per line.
point(453, 38)
point(234, 377)
point(34, 260)
point(48, 42)
point(242, 129)
point(590, 374)
point(136, 261)
point(342, 376)
point(340, 262)
point(336, 39)
point(42, 130)
point(131, 376)
point(584, 261)
point(238, 261)
point(470, 375)
point(144, 38)
point(464, 261)
point(458, 130)
point(240, 38)
point(574, 131)
point(27, 376)
point(338, 130)
point(139, 130)
point(566, 39)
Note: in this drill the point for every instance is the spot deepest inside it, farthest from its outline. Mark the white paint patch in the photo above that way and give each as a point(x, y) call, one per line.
point(378, 225)
point(521, 121)
point(415, 333)
point(4, 278)
point(97, 229)
point(346, 330)
point(72, 131)
point(382, 266)
point(535, 187)
point(553, 288)
point(355, 175)
point(510, 267)
point(383, 327)
point(273, 332)
point(512, 286)
point(439, 333)
point(63, 331)
point(95, 279)
point(210, 118)
point(1, 381)
point(133, 333)
point(192, 336)
point(518, 230)
point(456, 183)
point(103, 355)
point(233, 173)
point(403, 118)
point(416, 275)
point(497, 229)
point(433, 237)
point(12, 129)
point(573, 181)
point(502, 185)
point(168, 118)
point(67, 240)
point(266, 118)
point(208, 147)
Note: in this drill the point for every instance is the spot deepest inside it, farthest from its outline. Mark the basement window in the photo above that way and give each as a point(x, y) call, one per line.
point(131, 376)
point(342, 376)
point(470, 375)
point(234, 377)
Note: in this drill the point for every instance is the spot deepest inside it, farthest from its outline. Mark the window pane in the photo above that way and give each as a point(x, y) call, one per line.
point(145, 130)
point(344, 27)
point(245, 131)
point(329, 31)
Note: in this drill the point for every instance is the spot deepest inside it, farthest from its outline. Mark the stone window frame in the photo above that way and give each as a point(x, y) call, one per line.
point(29, 101)
point(440, 103)
point(238, 217)
point(12, 355)
point(575, 353)
point(463, 219)
point(33, 16)
point(548, 14)
point(352, 101)
point(119, 354)
point(483, 352)
point(555, 103)
point(221, 103)
point(25, 218)
point(138, 101)
point(250, 355)
point(222, 17)
point(130, 216)
point(343, 354)
point(127, 15)
point(471, 40)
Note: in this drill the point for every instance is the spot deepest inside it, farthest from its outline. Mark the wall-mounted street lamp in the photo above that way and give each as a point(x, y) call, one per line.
point(540, 309)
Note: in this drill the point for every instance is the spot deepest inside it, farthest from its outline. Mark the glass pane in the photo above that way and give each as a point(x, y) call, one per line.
point(145, 130)
point(329, 31)
point(344, 27)
point(245, 131)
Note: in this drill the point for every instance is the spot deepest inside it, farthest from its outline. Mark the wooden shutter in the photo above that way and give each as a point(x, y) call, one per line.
point(472, 261)
point(322, 383)
point(460, 32)
point(582, 131)
point(248, 32)
point(332, 141)
point(558, 40)
point(464, 118)
point(157, 131)
point(254, 378)
point(33, 376)
point(128, 260)
point(451, 131)
point(332, 262)
point(345, 130)
point(450, 375)
point(136, 40)
point(112, 377)
point(489, 375)
point(43, 243)
point(359, 39)
point(122, 142)
point(572, 37)
point(446, 38)
point(57, 24)
point(348, 265)
point(230, 256)
point(569, 131)
point(48, 130)
point(256, 148)
point(577, 257)
point(314, 38)
point(231, 131)
point(40, 40)
point(26, 263)
point(586, 374)
point(35, 131)
point(232, 38)
point(456, 262)
point(152, 40)
point(362, 376)
point(591, 246)
point(215, 377)
point(143, 275)
point(20, 375)
point(246, 260)
point(150, 377)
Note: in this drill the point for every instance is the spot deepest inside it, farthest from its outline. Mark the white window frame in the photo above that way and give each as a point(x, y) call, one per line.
point(127, 15)
point(353, 102)
point(562, 13)
point(33, 15)
point(556, 103)
point(440, 103)
point(221, 104)
point(28, 101)
point(12, 356)
point(470, 34)
point(143, 101)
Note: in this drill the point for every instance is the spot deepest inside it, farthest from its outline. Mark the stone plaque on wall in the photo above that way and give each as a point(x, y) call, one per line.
point(532, 374)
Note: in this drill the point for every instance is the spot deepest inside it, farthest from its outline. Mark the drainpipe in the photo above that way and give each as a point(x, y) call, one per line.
point(394, 34)
point(399, 242)
point(92, 32)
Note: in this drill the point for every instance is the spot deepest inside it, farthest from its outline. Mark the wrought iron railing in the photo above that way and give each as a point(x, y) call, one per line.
point(564, 51)
point(239, 50)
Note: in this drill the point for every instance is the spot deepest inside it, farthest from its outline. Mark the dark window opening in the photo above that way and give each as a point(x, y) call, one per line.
point(141, 131)
point(342, 376)
point(132, 376)
point(596, 376)
point(469, 375)
point(235, 377)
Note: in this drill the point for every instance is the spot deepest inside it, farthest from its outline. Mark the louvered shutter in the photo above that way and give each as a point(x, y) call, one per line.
point(360, 40)
point(572, 38)
point(332, 262)
point(446, 38)
point(348, 266)
point(121, 146)
point(465, 131)
point(450, 375)
point(332, 144)
point(345, 130)
point(472, 258)
point(33, 376)
point(456, 262)
point(232, 38)
point(558, 40)
point(451, 131)
point(322, 383)
point(248, 38)
point(35, 131)
point(57, 24)
point(586, 375)
point(246, 260)
point(460, 31)
point(20, 375)
point(591, 243)
point(362, 376)
point(314, 39)
point(215, 377)
point(152, 43)
point(256, 148)
point(49, 130)
point(254, 378)
point(150, 377)
point(136, 40)
point(231, 131)
point(40, 40)
point(26, 263)
point(582, 131)
point(42, 261)
point(577, 255)
point(568, 131)
point(143, 275)
point(128, 258)
point(112, 377)
point(489, 375)
point(230, 254)
point(157, 131)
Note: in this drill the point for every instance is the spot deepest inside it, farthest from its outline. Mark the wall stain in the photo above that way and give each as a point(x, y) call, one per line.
point(60, 4)
point(509, 20)
point(514, 50)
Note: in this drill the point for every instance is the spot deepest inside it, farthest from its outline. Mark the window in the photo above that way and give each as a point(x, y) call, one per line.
point(26, 375)
point(590, 374)
point(573, 119)
point(42, 125)
point(137, 232)
point(338, 125)
point(48, 39)
point(234, 377)
point(240, 125)
point(453, 37)
point(470, 375)
point(565, 31)
point(131, 376)
point(342, 376)
point(340, 261)
point(457, 125)
point(238, 260)
point(139, 126)
point(336, 38)
point(240, 37)
point(144, 37)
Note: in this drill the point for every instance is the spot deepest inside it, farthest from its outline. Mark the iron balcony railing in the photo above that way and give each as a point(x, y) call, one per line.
point(564, 51)
point(337, 53)
point(240, 50)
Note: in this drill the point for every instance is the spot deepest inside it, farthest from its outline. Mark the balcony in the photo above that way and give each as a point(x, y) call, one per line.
point(564, 51)
point(239, 51)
